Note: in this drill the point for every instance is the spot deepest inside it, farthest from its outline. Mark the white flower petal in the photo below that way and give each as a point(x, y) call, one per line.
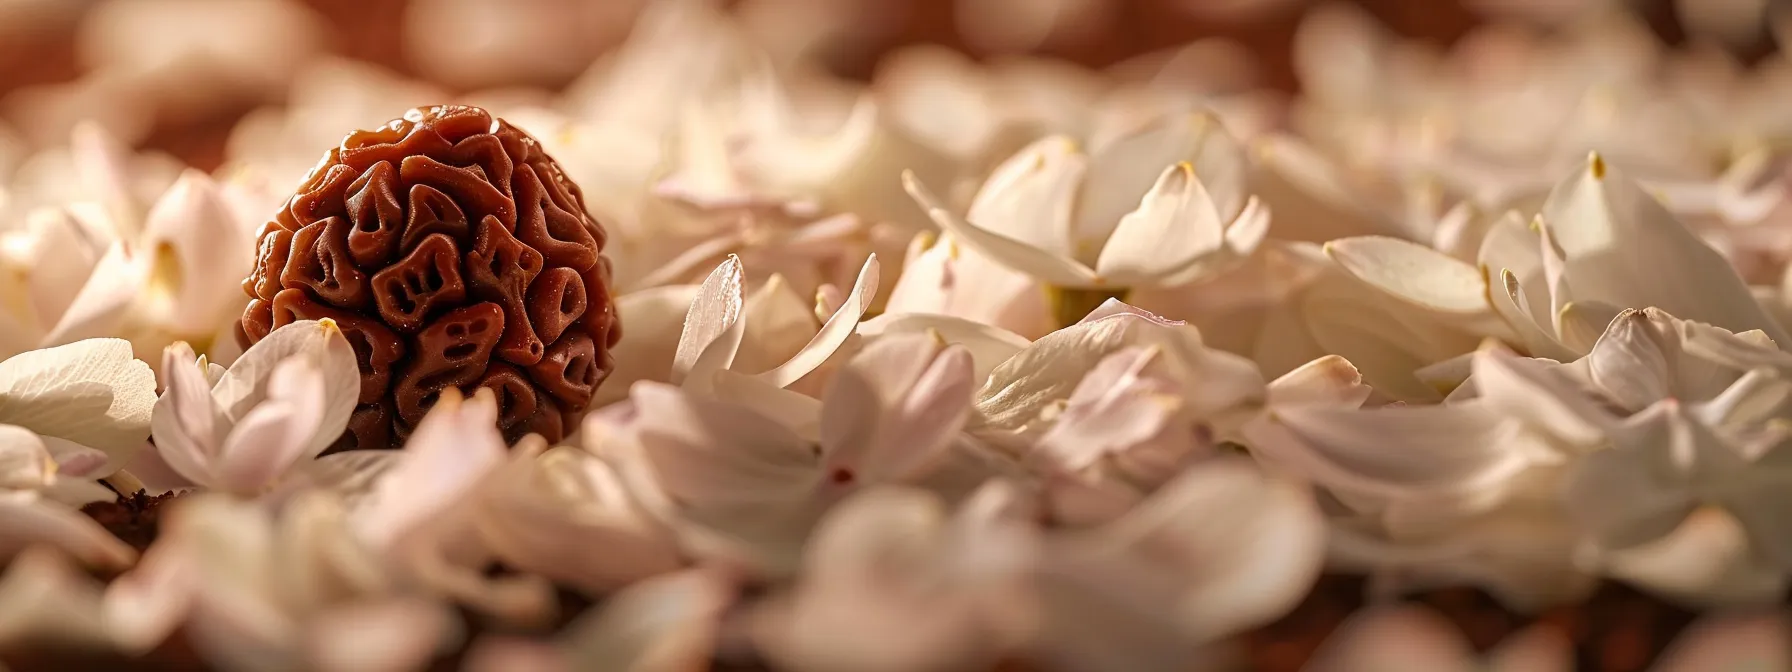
point(1541, 392)
point(989, 345)
point(566, 516)
point(449, 453)
point(1413, 272)
point(712, 326)
point(1030, 196)
point(1121, 171)
point(1175, 225)
point(893, 408)
point(1628, 364)
point(655, 320)
point(1623, 248)
point(188, 426)
point(665, 624)
point(1021, 256)
point(91, 392)
point(1327, 380)
point(245, 384)
point(1629, 495)
point(834, 333)
point(1393, 451)
point(105, 300)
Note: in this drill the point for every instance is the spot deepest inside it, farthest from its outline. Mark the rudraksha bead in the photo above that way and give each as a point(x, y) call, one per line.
point(453, 252)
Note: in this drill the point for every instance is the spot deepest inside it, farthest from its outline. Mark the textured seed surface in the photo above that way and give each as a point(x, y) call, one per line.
point(453, 252)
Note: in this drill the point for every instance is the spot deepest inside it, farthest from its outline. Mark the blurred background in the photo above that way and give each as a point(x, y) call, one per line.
point(177, 75)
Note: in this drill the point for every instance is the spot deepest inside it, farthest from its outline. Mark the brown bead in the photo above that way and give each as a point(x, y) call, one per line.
point(452, 252)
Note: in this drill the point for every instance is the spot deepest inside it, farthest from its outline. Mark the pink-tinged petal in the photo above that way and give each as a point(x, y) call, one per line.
point(1329, 380)
point(23, 524)
point(733, 483)
point(1112, 411)
point(154, 472)
point(260, 448)
point(388, 635)
point(279, 432)
point(75, 460)
point(1413, 273)
point(894, 408)
point(188, 426)
point(566, 516)
point(799, 412)
point(1542, 392)
point(1395, 450)
point(712, 327)
point(92, 392)
point(1731, 642)
point(833, 333)
point(1396, 638)
point(44, 598)
point(712, 452)
point(1073, 501)
point(1049, 267)
point(665, 624)
point(989, 345)
point(1175, 225)
point(245, 384)
point(452, 450)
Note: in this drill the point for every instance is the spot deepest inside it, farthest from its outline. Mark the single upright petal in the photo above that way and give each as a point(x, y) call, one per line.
point(91, 392)
point(188, 426)
point(1029, 198)
point(1175, 226)
point(712, 326)
point(944, 277)
point(1621, 247)
point(1121, 172)
point(198, 248)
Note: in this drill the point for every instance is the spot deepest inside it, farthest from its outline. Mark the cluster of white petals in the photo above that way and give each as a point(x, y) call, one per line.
point(974, 364)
